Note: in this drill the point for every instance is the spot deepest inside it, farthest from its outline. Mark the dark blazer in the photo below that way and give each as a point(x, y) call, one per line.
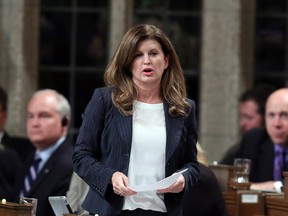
point(103, 147)
point(9, 167)
point(53, 179)
point(230, 155)
point(257, 146)
point(21, 145)
point(205, 198)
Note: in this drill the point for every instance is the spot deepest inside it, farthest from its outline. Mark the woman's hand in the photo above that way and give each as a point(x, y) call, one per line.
point(120, 184)
point(177, 187)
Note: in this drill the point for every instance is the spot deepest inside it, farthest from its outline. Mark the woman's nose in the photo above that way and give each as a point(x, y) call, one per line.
point(147, 60)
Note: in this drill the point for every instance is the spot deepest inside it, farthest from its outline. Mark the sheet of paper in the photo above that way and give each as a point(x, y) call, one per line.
point(162, 184)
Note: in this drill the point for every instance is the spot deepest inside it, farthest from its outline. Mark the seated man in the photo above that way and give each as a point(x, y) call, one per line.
point(251, 115)
point(9, 166)
point(20, 145)
point(263, 145)
point(9, 160)
point(48, 170)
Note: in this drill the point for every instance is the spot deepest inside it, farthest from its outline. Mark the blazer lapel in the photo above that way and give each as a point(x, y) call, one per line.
point(124, 126)
point(174, 127)
point(41, 176)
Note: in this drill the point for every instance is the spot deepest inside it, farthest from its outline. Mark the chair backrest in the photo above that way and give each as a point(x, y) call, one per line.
point(223, 174)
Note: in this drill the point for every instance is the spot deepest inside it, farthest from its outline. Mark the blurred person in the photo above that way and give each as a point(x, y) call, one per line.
point(205, 198)
point(9, 159)
point(20, 145)
point(251, 115)
point(76, 194)
point(263, 145)
point(48, 119)
point(146, 94)
point(9, 166)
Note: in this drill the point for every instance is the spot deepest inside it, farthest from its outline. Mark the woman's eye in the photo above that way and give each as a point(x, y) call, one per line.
point(153, 53)
point(137, 55)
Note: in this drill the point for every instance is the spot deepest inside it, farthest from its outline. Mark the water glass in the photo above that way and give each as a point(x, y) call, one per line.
point(29, 201)
point(242, 168)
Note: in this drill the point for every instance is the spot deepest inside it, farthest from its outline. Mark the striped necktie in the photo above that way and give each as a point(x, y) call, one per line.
point(30, 177)
point(279, 164)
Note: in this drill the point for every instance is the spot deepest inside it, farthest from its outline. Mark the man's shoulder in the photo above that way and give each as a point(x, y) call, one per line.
point(62, 157)
point(257, 134)
point(66, 147)
point(253, 141)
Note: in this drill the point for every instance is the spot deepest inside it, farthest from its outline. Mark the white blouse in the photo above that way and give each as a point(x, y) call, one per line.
point(147, 158)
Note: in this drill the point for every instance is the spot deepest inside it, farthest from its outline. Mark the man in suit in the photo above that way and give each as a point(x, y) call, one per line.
point(47, 126)
point(9, 160)
point(251, 115)
point(9, 166)
point(20, 145)
point(263, 144)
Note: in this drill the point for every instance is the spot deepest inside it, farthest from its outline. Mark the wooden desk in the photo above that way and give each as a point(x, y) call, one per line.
point(14, 209)
point(249, 203)
point(276, 205)
point(230, 200)
point(240, 201)
point(223, 174)
point(244, 203)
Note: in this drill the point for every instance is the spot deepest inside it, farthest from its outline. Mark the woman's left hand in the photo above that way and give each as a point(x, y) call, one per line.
point(177, 187)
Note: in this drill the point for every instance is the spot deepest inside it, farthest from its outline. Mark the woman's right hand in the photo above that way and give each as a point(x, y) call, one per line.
point(120, 184)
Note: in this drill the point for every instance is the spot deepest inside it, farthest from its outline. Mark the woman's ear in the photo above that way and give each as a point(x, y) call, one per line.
point(167, 59)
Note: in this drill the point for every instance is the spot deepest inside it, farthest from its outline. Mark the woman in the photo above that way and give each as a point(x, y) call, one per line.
point(138, 130)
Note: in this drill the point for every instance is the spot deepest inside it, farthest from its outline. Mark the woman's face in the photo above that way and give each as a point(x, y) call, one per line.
point(148, 64)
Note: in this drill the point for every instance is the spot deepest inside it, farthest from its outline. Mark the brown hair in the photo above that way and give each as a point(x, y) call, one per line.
point(119, 76)
point(201, 155)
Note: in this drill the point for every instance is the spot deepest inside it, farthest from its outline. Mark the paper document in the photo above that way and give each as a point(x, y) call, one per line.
point(162, 184)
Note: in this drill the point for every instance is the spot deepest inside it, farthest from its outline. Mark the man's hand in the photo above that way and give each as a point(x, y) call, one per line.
point(269, 185)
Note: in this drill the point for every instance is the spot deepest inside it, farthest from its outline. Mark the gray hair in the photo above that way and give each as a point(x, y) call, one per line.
point(62, 106)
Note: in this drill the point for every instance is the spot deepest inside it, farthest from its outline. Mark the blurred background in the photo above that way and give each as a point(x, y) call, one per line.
point(224, 46)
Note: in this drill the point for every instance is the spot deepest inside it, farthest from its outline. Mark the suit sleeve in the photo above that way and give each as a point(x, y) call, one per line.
point(190, 156)
point(86, 158)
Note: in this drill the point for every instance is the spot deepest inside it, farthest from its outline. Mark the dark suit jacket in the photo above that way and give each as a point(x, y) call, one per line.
point(257, 146)
point(230, 155)
point(103, 147)
point(21, 145)
point(205, 198)
point(53, 179)
point(9, 167)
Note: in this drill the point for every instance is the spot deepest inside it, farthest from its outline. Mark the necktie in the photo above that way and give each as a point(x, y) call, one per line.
point(279, 164)
point(31, 176)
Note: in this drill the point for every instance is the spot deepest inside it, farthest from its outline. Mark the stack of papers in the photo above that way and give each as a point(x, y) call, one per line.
point(162, 184)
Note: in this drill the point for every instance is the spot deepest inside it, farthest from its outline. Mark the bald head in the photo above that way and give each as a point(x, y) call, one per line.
point(277, 116)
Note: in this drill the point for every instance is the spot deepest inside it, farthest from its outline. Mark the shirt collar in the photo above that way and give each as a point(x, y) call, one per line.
point(45, 155)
